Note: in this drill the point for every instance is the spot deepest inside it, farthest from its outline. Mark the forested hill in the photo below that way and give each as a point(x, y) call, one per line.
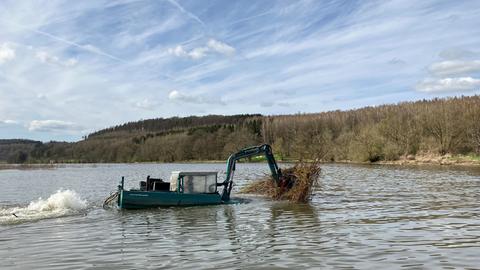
point(16, 150)
point(387, 132)
point(172, 124)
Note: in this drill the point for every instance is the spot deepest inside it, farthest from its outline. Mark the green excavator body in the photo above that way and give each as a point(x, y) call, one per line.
point(192, 188)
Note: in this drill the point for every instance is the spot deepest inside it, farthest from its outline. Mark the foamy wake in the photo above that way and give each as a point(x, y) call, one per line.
point(62, 203)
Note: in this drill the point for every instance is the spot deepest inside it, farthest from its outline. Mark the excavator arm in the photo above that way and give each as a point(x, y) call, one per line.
point(264, 149)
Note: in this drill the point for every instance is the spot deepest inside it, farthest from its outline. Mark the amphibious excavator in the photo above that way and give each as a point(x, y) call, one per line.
point(192, 187)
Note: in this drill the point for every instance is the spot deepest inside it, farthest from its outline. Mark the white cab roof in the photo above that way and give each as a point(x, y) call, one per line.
point(193, 173)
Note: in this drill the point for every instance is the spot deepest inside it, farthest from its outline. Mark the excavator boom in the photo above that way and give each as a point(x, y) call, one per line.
point(264, 149)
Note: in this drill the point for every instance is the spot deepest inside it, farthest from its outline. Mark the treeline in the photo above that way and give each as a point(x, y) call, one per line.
point(173, 123)
point(207, 138)
point(387, 132)
point(16, 150)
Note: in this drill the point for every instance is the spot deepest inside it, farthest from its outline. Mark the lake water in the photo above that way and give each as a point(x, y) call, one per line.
point(360, 217)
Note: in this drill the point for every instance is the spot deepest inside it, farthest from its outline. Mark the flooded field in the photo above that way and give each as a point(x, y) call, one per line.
point(364, 217)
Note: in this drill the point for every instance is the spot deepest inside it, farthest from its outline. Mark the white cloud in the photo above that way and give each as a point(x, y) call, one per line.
point(146, 104)
point(212, 46)
point(448, 84)
point(268, 104)
point(52, 126)
point(8, 122)
point(198, 53)
point(45, 57)
point(182, 97)
point(177, 51)
point(454, 67)
point(6, 53)
point(220, 47)
point(176, 95)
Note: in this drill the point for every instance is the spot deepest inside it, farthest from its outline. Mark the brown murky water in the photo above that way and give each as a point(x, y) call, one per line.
point(361, 217)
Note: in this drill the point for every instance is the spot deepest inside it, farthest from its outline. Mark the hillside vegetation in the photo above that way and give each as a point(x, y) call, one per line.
point(388, 132)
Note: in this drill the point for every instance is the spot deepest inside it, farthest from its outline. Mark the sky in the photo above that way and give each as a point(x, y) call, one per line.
point(68, 68)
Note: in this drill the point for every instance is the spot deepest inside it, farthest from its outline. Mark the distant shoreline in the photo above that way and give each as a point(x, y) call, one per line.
point(421, 160)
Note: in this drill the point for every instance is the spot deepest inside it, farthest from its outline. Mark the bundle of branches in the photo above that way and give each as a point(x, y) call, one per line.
point(296, 185)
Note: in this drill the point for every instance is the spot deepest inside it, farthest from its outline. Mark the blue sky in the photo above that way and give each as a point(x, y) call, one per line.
point(71, 67)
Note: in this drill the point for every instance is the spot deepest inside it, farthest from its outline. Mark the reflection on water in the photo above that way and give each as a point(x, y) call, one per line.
point(360, 217)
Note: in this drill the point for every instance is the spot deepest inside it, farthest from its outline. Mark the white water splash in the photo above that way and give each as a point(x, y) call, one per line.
point(62, 203)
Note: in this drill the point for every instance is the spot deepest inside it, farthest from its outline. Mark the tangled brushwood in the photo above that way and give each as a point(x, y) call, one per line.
point(296, 186)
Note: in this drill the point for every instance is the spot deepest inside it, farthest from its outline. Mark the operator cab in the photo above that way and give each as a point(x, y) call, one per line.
point(183, 182)
point(193, 182)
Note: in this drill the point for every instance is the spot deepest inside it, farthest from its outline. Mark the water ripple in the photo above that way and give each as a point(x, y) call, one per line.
point(360, 217)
